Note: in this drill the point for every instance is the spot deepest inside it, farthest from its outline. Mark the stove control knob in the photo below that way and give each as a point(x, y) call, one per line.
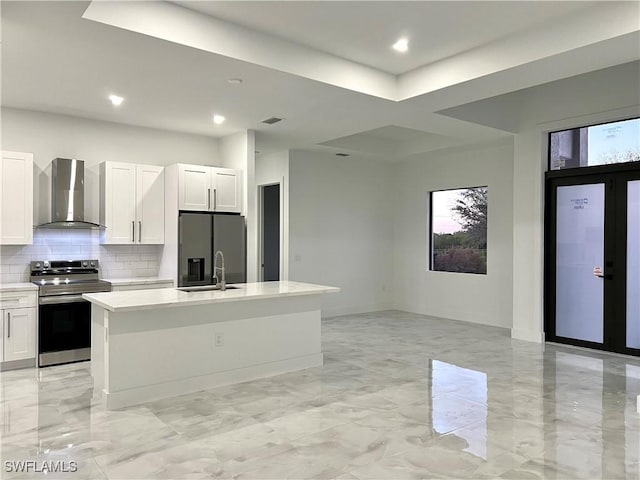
point(46, 264)
point(37, 265)
point(84, 264)
point(93, 264)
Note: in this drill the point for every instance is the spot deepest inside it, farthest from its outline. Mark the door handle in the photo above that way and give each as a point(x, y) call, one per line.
point(140, 231)
point(133, 231)
point(208, 199)
point(597, 272)
point(8, 324)
point(215, 198)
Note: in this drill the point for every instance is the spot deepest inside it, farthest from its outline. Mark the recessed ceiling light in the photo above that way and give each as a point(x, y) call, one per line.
point(116, 100)
point(218, 119)
point(235, 81)
point(402, 45)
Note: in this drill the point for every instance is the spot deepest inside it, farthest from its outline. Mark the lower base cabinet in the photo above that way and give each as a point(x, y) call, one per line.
point(18, 317)
point(19, 334)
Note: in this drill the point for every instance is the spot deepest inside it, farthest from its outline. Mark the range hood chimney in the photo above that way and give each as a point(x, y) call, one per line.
point(67, 196)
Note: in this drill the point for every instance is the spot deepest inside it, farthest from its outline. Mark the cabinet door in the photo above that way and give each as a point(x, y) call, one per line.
point(119, 199)
point(19, 334)
point(16, 199)
point(150, 204)
point(226, 190)
point(194, 188)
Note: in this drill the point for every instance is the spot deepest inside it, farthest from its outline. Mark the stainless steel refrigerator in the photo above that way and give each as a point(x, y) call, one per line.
point(201, 235)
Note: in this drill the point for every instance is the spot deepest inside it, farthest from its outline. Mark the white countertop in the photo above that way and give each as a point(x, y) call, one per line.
point(17, 287)
point(132, 300)
point(137, 281)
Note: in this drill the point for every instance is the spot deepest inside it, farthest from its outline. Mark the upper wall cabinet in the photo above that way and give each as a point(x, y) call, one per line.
point(209, 189)
point(16, 199)
point(132, 203)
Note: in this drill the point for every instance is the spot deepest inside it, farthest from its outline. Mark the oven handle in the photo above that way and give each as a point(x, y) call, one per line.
point(61, 299)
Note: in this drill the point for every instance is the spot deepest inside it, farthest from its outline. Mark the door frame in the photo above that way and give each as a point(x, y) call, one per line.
point(261, 229)
point(615, 178)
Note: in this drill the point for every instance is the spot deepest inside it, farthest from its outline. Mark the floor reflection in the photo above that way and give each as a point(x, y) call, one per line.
point(446, 412)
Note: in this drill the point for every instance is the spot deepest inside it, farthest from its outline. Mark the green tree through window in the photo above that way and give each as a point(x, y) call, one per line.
point(459, 230)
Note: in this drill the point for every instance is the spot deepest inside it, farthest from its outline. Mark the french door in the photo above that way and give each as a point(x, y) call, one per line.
point(592, 275)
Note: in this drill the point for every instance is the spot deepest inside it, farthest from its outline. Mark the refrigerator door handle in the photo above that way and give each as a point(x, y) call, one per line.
point(215, 199)
point(208, 199)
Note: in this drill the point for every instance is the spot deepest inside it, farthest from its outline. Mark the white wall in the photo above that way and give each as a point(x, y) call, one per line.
point(238, 151)
point(48, 136)
point(272, 169)
point(474, 298)
point(341, 229)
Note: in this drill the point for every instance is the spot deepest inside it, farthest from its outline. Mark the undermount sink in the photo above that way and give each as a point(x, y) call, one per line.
point(205, 288)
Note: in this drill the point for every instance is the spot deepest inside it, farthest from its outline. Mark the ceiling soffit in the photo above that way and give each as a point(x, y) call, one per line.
point(605, 22)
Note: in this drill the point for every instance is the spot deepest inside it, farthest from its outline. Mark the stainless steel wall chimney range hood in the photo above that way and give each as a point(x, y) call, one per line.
point(67, 196)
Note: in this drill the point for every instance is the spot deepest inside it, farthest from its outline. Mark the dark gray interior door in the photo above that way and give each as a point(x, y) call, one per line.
point(271, 233)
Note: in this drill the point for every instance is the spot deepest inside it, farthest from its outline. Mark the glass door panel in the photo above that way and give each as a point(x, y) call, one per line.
point(580, 234)
point(633, 264)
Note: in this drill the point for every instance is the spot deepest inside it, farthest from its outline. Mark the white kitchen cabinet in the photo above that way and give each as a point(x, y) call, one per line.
point(150, 204)
point(226, 188)
point(209, 189)
point(132, 203)
point(19, 334)
point(18, 312)
point(118, 201)
point(16, 199)
point(194, 187)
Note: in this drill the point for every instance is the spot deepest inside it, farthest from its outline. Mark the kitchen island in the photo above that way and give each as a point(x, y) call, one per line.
point(152, 344)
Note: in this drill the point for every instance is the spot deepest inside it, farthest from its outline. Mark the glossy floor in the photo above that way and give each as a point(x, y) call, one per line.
point(400, 396)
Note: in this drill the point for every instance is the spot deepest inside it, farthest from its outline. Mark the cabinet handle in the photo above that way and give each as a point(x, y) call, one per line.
point(208, 199)
point(140, 231)
point(215, 198)
point(133, 231)
point(8, 324)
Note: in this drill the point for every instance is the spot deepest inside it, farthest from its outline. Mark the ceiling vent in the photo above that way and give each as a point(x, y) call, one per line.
point(272, 120)
point(342, 154)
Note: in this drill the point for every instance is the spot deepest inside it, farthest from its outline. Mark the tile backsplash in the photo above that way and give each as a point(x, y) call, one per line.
point(116, 261)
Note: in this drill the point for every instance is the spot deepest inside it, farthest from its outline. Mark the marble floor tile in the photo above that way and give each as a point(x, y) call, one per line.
point(400, 396)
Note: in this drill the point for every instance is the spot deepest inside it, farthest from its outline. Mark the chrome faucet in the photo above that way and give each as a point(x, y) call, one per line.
point(222, 283)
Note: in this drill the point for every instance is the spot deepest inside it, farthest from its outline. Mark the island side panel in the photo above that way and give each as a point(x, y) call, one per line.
point(98, 338)
point(170, 351)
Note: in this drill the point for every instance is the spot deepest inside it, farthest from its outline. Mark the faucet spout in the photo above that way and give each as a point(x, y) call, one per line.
point(222, 282)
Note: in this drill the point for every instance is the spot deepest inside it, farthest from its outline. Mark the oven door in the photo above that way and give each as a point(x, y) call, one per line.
point(64, 333)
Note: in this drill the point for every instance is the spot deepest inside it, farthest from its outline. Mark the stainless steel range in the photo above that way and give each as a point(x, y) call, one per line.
point(64, 318)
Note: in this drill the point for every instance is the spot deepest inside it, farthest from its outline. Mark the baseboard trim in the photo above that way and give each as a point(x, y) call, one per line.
point(149, 393)
point(329, 312)
point(16, 364)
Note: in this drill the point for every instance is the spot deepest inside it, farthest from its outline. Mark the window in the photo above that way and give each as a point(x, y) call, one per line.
point(459, 230)
point(605, 144)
